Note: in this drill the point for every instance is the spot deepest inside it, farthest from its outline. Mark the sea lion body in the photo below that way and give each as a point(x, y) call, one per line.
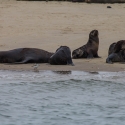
point(62, 56)
point(105, 1)
point(25, 55)
point(116, 52)
point(116, 57)
point(78, 0)
point(90, 49)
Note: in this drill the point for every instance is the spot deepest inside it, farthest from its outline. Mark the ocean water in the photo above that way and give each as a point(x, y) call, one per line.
point(62, 98)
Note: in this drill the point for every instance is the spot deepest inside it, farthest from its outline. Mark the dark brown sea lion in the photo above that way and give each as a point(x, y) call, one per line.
point(78, 0)
point(105, 1)
point(116, 52)
point(116, 57)
point(62, 56)
point(90, 49)
point(25, 55)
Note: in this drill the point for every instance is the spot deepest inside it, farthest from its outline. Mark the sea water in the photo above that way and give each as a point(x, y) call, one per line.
point(62, 98)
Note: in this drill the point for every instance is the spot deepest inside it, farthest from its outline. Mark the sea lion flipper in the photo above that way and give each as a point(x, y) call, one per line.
point(90, 55)
point(69, 59)
point(96, 56)
point(24, 61)
point(109, 61)
point(114, 57)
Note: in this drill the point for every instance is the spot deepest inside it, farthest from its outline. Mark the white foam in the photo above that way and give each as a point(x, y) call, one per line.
point(49, 76)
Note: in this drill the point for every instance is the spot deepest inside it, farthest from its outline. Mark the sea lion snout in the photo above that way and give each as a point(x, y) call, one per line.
point(94, 33)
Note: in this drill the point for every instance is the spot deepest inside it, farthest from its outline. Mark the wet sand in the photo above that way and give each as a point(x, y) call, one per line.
point(48, 25)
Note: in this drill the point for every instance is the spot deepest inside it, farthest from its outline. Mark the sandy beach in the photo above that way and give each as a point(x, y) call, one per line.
point(48, 25)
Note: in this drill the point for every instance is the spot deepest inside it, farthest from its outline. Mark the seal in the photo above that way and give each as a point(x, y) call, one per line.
point(25, 55)
point(116, 52)
point(90, 49)
point(78, 0)
point(105, 1)
point(62, 56)
point(116, 57)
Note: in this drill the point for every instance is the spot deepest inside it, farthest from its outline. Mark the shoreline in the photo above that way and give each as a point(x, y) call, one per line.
point(61, 72)
point(91, 67)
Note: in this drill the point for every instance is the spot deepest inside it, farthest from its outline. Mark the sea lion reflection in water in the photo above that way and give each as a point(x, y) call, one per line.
point(25, 55)
point(62, 56)
point(90, 49)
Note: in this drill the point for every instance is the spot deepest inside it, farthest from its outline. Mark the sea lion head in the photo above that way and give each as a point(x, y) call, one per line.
point(94, 33)
point(62, 56)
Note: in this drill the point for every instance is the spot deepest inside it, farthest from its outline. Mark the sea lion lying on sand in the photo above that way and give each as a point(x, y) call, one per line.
point(25, 55)
point(90, 49)
point(105, 1)
point(116, 57)
point(116, 52)
point(78, 0)
point(62, 56)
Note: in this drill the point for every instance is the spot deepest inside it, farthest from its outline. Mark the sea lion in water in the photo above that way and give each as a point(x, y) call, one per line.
point(62, 56)
point(90, 49)
point(116, 52)
point(25, 55)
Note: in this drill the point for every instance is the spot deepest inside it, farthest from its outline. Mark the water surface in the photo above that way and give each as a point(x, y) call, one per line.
point(58, 98)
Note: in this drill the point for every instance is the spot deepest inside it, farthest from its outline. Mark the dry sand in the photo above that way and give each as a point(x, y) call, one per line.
point(48, 25)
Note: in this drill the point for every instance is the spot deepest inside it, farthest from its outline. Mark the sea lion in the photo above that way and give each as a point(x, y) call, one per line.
point(78, 0)
point(90, 49)
point(105, 1)
point(25, 55)
point(116, 57)
point(116, 47)
point(62, 56)
point(116, 52)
